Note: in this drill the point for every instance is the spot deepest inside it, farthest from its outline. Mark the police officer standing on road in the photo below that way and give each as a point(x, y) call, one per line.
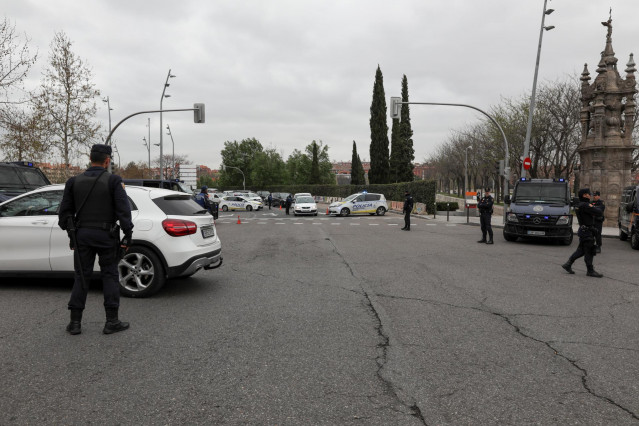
point(270, 200)
point(586, 214)
point(289, 201)
point(598, 203)
point(203, 197)
point(485, 206)
point(408, 208)
point(92, 203)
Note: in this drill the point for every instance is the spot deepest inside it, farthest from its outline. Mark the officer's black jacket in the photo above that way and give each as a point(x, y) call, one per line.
point(408, 204)
point(121, 207)
point(599, 204)
point(485, 204)
point(586, 213)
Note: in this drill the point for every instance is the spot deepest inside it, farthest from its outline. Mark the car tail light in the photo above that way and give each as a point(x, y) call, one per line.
point(178, 227)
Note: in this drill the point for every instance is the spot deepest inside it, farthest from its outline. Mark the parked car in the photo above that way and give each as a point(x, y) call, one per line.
point(628, 221)
point(305, 205)
point(233, 203)
point(172, 237)
point(173, 185)
point(302, 194)
point(19, 177)
point(279, 198)
point(360, 203)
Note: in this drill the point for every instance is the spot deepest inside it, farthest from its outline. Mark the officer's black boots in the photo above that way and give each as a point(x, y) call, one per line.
point(568, 267)
point(75, 326)
point(113, 324)
point(592, 273)
point(490, 241)
point(483, 240)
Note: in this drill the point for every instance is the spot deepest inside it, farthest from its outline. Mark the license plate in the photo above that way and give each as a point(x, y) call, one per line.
point(208, 232)
point(536, 232)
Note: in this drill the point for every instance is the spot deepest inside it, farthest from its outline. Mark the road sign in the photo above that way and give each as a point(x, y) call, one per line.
point(527, 163)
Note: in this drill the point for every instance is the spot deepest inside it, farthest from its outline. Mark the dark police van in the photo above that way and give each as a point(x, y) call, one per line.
point(628, 221)
point(19, 177)
point(539, 208)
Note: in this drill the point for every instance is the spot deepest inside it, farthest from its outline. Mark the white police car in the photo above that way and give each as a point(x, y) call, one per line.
point(360, 203)
point(232, 203)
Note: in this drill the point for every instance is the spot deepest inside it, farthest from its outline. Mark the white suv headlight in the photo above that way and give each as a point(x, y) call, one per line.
point(563, 220)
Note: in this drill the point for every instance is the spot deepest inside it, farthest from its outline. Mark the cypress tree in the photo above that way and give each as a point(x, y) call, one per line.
point(357, 170)
point(315, 172)
point(405, 135)
point(379, 171)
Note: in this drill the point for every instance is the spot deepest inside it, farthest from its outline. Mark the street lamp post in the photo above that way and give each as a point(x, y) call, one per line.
point(173, 155)
point(148, 148)
point(534, 88)
point(166, 84)
point(237, 168)
point(466, 171)
point(110, 109)
point(115, 149)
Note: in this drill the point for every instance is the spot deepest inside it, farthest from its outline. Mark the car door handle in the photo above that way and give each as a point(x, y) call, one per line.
point(40, 222)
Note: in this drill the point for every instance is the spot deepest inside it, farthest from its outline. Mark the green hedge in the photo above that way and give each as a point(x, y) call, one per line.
point(422, 191)
point(452, 206)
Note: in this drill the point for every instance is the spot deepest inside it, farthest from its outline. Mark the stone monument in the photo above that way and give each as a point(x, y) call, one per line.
point(607, 121)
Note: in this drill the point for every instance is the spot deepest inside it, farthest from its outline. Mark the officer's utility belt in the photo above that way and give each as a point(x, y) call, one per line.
point(590, 228)
point(106, 226)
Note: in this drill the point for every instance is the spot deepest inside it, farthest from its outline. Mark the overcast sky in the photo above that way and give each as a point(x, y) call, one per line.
point(288, 72)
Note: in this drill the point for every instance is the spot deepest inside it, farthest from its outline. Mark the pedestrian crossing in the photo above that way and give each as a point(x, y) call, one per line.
point(329, 221)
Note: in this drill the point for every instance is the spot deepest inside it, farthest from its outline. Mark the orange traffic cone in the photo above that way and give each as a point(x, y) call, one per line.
point(239, 222)
point(280, 207)
point(327, 210)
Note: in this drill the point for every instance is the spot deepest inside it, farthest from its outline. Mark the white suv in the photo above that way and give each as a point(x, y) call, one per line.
point(360, 203)
point(172, 237)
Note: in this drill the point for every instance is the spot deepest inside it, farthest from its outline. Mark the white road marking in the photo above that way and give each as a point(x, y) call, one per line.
point(354, 224)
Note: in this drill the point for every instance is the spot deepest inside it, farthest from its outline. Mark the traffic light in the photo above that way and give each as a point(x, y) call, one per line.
point(395, 107)
point(198, 113)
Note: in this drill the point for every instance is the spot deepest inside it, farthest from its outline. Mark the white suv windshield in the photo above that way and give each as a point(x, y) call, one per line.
point(304, 200)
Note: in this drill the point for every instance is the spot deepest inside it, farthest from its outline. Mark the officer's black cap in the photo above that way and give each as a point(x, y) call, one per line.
point(596, 193)
point(487, 189)
point(583, 191)
point(104, 149)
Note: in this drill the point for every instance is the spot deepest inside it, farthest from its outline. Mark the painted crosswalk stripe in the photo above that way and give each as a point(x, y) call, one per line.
point(354, 224)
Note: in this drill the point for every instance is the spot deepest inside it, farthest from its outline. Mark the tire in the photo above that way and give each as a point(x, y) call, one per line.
point(634, 239)
point(225, 208)
point(512, 238)
point(344, 212)
point(622, 235)
point(381, 211)
point(315, 214)
point(568, 240)
point(249, 208)
point(141, 272)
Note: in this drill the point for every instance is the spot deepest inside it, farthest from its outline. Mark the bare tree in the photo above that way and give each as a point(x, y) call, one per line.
point(23, 139)
point(15, 60)
point(66, 101)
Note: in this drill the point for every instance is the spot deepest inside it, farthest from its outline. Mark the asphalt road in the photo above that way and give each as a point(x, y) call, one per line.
point(339, 321)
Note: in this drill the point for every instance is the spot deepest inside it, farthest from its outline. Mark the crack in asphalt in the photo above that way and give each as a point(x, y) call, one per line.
point(384, 344)
point(506, 318)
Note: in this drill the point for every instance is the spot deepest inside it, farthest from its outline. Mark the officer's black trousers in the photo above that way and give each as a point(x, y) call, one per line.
point(587, 250)
point(407, 219)
point(486, 227)
point(599, 227)
point(287, 209)
point(92, 242)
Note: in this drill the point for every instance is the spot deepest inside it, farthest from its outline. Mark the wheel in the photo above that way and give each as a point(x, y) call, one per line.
point(568, 240)
point(315, 214)
point(634, 239)
point(249, 208)
point(622, 235)
point(141, 272)
point(509, 237)
point(344, 212)
point(225, 208)
point(381, 211)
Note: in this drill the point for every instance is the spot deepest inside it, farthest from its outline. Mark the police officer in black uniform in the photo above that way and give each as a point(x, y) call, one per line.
point(598, 203)
point(92, 203)
point(408, 208)
point(485, 206)
point(586, 214)
point(288, 203)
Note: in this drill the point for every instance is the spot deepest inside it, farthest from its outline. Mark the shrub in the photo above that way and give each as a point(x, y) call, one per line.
point(444, 205)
